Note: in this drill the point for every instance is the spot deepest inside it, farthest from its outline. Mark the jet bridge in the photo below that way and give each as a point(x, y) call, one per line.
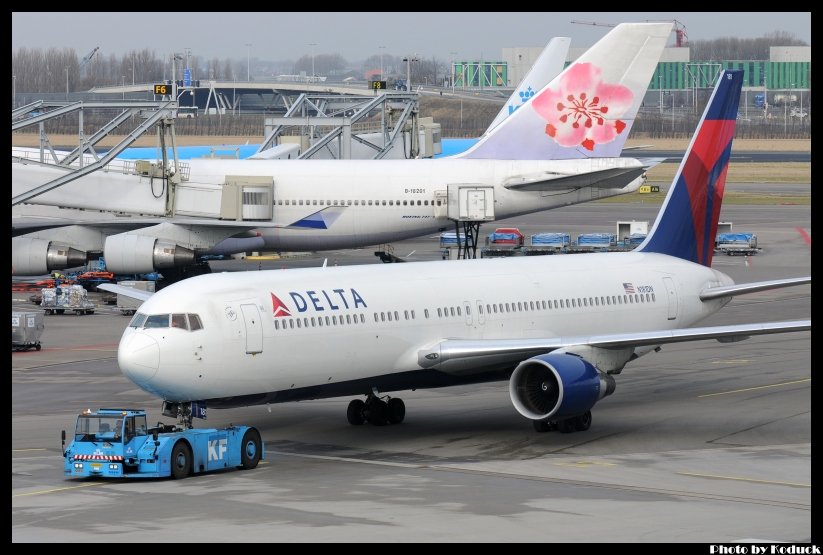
point(469, 205)
point(333, 126)
point(84, 159)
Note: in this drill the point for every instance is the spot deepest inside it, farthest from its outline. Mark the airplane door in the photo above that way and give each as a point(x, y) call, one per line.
point(254, 328)
point(476, 205)
point(467, 308)
point(481, 316)
point(671, 296)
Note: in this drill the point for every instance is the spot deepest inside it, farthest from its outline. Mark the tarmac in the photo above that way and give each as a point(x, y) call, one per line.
point(702, 442)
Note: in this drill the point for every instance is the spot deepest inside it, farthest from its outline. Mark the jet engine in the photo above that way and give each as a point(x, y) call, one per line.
point(557, 386)
point(128, 253)
point(34, 257)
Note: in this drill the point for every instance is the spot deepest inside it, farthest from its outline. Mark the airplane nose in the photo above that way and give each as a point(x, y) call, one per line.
point(138, 357)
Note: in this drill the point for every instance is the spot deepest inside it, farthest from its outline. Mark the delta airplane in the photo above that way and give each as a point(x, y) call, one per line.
point(561, 147)
point(557, 328)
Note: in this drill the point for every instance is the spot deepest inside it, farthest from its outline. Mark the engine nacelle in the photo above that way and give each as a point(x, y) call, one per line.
point(557, 386)
point(136, 254)
point(34, 257)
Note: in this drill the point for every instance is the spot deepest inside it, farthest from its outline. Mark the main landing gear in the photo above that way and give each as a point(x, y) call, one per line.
point(376, 411)
point(567, 425)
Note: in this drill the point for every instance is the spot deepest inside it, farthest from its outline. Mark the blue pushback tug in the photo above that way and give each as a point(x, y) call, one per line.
point(118, 443)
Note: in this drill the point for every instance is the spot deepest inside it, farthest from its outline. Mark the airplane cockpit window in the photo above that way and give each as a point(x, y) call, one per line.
point(137, 321)
point(195, 323)
point(157, 321)
point(179, 321)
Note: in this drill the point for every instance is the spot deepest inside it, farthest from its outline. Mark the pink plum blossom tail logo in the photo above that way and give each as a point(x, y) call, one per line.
point(583, 110)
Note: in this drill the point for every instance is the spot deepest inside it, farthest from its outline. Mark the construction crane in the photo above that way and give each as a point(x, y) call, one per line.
point(680, 37)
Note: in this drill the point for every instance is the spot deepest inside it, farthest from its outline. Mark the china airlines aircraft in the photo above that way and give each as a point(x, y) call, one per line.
point(557, 328)
point(561, 147)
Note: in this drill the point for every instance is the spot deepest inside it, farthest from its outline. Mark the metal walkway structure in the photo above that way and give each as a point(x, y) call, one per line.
point(323, 118)
point(150, 114)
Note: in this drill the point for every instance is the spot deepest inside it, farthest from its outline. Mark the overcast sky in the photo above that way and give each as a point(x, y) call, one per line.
point(358, 35)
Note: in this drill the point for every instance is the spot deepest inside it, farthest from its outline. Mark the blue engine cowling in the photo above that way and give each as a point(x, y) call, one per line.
point(557, 386)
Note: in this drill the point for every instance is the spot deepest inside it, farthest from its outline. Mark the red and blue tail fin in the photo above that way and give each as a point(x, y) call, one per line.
point(687, 222)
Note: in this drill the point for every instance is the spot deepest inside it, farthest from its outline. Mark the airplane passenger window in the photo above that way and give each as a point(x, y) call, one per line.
point(636, 298)
point(438, 202)
point(519, 306)
point(396, 316)
point(406, 314)
point(405, 203)
point(418, 203)
point(452, 309)
point(412, 314)
point(357, 203)
point(334, 320)
point(591, 302)
point(348, 202)
point(507, 307)
point(279, 202)
point(179, 321)
point(382, 316)
point(137, 321)
point(426, 312)
point(291, 323)
point(319, 321)
point(469, 310)
point(298, 323)
point(596, 301)
point(328, 322)
point(631, 299)
point(384, 203)
point(458, 311)
point(348, 318)
point(544, 304)
point(322, 202)
point(389, 315)
point(376, 319)
point(370, 203)
point(301, 203)
point(439, 314)
point(494, 308)
point(391, 203)
point(312, 321)
point(425, 203)
point(653, 299)
point(314, 202)
point(276, 325)
point(362, 319)
point(585, 302)
point(157, 321)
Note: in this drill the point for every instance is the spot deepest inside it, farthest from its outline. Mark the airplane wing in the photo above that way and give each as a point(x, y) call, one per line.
point(127, 291)
point(462, 357)
point(613, 178)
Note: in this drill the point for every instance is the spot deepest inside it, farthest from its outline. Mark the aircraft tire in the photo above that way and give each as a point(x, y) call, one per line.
point(583, 422)
point(354, 413)
point(395, 410)
point(541, 426)
point(376, 412)
point(566, 426)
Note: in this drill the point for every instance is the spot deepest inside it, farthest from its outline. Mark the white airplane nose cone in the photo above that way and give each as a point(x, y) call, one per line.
point(138, 357)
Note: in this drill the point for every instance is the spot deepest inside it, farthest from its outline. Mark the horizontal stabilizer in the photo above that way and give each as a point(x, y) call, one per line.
point(732, 290)
point(613, 178)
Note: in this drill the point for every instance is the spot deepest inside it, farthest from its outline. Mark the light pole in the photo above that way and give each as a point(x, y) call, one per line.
point(13, 91)
point(382, 48)
point(123, 84)
point(67, 82)
point(409, 60)
point(248, 62)
point(132, 68)
point(312, 44)
point(453, 72)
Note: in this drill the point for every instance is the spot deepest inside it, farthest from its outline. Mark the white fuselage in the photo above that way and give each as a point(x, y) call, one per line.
point(273, 336)
point(373, 201)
